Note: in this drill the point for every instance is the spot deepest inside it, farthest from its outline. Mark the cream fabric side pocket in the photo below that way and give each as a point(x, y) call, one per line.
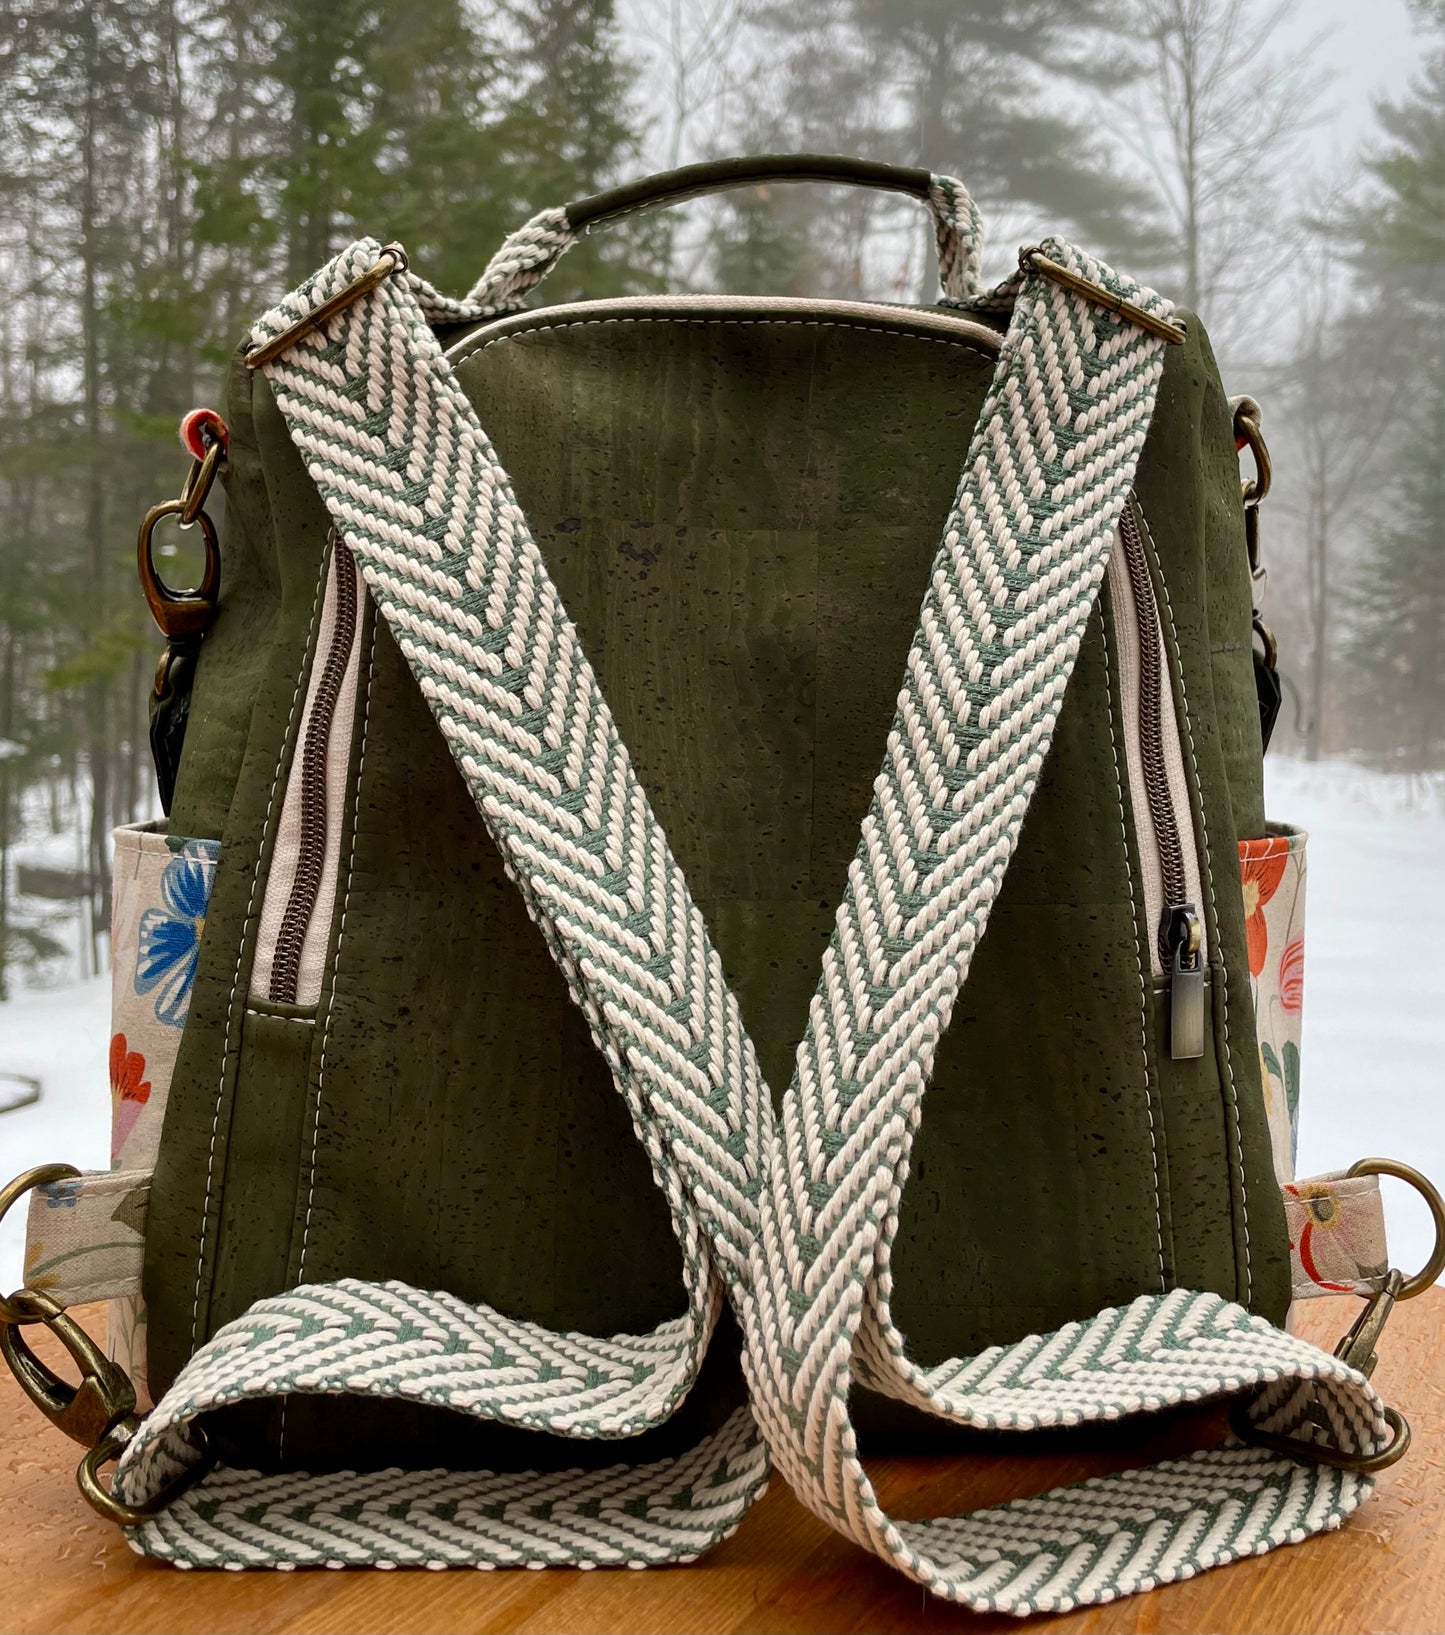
point(162, 888)
point(1272, 875)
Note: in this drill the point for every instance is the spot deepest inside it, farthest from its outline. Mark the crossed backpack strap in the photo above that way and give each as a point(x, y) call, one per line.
point(797, 1218)
point(417, 494)
point(1023, 554)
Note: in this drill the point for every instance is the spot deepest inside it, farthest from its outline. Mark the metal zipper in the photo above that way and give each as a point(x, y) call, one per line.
point(1163, 821)
point(301, 885)
point(311, 852)
point(306, 855)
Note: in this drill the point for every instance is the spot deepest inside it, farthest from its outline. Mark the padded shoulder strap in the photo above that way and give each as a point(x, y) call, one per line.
point(799, 1216)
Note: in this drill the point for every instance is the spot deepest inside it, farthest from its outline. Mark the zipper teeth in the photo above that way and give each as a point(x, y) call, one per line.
point(1152, 681)
point(311, 850)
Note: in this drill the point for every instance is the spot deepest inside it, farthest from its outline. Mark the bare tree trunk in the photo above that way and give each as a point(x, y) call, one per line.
point(240, 68)
point(1189, 161)
point(97, 693)
point(931, 137)
point(8, 679)
point(1318, 544)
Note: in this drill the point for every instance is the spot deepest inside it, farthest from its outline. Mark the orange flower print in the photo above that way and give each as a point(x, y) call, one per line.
point(1261, 872)
point(1292, 975)
point(1331, 1240)
point(129, 1092)
point(1321, 1216)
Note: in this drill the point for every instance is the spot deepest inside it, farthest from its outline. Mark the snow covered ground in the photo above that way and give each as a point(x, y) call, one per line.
point(1374, 1044)
point(60, 1036)
point(1372, 1064)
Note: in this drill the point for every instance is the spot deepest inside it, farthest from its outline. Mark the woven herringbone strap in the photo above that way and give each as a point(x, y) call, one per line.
point(799, 1217)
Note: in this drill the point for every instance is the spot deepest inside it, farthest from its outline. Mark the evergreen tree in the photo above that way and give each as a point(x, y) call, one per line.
point(760, 244)
point(85, 98)
point(436, 175)
point(570, 130)
point(1396, 623)
point(168, 168)
point(986, 89)
point(1396, 643)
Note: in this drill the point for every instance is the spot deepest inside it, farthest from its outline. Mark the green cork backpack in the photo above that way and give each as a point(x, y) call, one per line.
point(621, 756)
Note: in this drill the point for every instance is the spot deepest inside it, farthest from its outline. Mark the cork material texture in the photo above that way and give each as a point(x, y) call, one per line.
point(740, 515)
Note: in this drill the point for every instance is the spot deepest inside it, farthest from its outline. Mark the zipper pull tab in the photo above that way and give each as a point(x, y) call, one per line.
point(1186, 983)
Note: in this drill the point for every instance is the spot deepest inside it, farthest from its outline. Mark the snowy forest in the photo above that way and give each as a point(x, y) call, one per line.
point(169, 167)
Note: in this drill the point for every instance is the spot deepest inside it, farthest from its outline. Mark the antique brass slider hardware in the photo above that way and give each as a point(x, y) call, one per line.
point(392, 259)
point(1033, 260)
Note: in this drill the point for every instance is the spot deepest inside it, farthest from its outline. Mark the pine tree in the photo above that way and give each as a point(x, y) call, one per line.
point(84, 101)
point(1396, 624)
point(1396, 645)
point(968, 86)
point(437, 177)
point(569, 129)
point(167, 169)
point(760, 244)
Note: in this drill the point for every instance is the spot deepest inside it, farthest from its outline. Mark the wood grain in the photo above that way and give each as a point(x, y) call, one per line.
point(63, 1568)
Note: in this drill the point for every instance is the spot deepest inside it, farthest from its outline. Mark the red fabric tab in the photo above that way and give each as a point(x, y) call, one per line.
point(195, 426)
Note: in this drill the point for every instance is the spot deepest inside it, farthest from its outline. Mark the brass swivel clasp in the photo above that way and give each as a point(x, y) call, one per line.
point(87, 1412)
point(1248, 435)
point(1359, 1347)
point(184, 615)
point(100, 1410)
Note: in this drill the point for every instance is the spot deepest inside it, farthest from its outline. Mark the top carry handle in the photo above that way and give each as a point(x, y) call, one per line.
point(530, 253)
point(716, 175)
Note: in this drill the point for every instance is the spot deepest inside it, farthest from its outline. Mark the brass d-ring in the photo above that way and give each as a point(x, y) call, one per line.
point(1320, 1453)
point(110, 1447)
point(1256, 487)
point(197, 486)
point(43, 1175)
point(1429, 1274)
point(179, 612)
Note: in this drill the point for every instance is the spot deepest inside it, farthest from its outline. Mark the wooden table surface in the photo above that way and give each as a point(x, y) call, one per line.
point(62, 1568)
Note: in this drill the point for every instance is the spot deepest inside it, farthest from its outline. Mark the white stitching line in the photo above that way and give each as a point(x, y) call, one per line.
point(702, 320)
point(1231, 1096)
point(1138, 958)
point(305, 1021)
point(336, 958)
point(311, 633)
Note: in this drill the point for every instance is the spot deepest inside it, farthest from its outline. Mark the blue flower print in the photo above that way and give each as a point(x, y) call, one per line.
point(61, 1194)
point(170, 936)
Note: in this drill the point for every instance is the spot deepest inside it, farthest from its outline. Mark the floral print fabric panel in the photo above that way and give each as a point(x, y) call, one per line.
point(85, 1237)
point(1272, 875)
point(161, 893)
point(158, 912)
point(1336, 1235)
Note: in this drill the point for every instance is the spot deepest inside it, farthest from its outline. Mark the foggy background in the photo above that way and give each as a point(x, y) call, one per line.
point(169, 167)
